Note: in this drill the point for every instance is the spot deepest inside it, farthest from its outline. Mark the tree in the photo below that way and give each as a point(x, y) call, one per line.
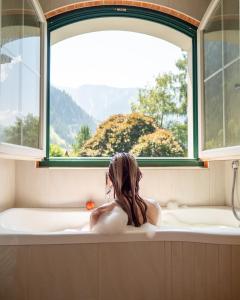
point(181, 85)
point(82, 136)
point(166, 102)
point(157, 102)
point(118, 133)
point(24, 132)
point(56, 151)
point(180, 132)
point(160, 143)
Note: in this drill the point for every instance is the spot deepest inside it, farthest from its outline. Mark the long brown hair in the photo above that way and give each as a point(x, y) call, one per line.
point(125, 175)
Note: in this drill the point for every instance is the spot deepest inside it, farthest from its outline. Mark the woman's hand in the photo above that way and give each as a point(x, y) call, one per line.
point(95, 215)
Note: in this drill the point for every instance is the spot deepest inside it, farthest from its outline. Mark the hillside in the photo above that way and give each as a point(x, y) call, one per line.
point(66, 117)
point(101, 101)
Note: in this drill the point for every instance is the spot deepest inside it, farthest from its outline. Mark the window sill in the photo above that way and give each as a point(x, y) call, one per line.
point(104, 162)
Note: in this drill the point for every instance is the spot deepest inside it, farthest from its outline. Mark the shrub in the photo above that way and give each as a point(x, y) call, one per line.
point(117, 134)
point(56, 151)
point(160, 143)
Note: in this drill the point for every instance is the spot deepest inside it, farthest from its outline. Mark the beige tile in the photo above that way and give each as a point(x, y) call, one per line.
point(7, 183)
point(192, 187)
point(75, 186)
point(42, 187)
point(217, 183)
point(32, 185)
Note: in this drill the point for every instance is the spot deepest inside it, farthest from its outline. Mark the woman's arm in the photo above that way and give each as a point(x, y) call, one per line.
point(112, 223)
point(96, 214)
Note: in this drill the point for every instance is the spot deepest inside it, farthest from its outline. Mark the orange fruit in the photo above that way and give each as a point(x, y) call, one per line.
point(90, 204)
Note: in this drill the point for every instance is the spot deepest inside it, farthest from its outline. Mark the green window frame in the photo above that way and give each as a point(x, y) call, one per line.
point(130, 12)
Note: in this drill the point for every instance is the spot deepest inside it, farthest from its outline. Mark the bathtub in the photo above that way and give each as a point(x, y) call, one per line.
point(19, 226)
point(194, 253)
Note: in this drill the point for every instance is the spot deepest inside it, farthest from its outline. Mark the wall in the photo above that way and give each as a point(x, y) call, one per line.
point(192, 8)
point(56, 187)
point(228, 178)
point(7, 183)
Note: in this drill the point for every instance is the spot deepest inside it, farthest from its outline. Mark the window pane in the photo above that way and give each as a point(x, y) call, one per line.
point(231, 30)
point(212, 41)
point(130, 95)
point(12, 26)
point(213, 113)
point(10, 93)
point(30, 108)
point(31, 38)
point(20, 74)
point(232, 104)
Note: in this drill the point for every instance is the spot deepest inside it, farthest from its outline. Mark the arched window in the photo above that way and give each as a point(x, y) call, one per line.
point(121, 79)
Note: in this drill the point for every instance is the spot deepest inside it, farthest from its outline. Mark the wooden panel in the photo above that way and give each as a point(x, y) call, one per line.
point(167, 270)
point(211, 272)
point(13, 276)
point(235, 272)
point(7, 271)
point(130, 271)
point(188, 251)
point(177, 270)
point(200, 268)
point(225, 269)
point(63, 272)
point(161, 271)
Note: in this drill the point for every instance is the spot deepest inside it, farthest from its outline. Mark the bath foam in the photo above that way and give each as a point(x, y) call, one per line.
point(116, 222)
point(112, 222)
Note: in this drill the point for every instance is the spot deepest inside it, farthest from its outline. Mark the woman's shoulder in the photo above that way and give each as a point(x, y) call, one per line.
point(153, 211)
point(152, 202)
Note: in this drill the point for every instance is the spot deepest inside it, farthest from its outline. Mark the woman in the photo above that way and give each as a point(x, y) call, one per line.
point(128, 208)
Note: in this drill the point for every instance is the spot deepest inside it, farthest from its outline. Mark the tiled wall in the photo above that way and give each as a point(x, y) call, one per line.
point(7, 183)
point(40, 187)
point(228, 177)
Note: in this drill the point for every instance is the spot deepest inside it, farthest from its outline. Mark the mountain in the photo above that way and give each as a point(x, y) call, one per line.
point(101, 101)
point(66, 117)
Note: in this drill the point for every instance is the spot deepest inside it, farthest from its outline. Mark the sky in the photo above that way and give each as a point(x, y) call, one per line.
point(112, 58)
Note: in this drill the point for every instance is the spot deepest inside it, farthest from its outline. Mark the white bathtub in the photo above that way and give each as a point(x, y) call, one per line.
point(54, 226)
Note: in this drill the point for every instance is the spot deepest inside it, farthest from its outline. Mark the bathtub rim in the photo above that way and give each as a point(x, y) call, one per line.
point(176, 234)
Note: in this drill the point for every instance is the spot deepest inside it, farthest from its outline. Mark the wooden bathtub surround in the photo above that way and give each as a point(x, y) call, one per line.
point(120, 271)
point(143, 4)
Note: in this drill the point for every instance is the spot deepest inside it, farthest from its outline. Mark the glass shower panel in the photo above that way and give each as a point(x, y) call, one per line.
point(213, 112)
point(212, 43)
point(231, 30)
point(232, 104)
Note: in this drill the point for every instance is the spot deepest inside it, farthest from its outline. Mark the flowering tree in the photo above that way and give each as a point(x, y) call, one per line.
point(118, 133)
point(160, 143)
